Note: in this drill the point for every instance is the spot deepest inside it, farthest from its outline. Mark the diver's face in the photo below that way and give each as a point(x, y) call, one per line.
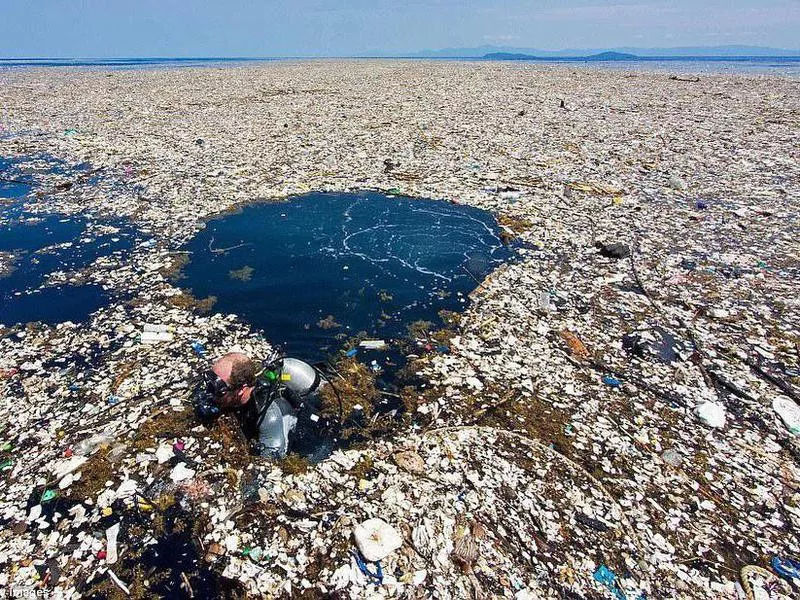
point(236, 398)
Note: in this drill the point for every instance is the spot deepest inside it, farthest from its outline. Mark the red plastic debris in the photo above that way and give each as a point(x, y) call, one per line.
point(101, 554)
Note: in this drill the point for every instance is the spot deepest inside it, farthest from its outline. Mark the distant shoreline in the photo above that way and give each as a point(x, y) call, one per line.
point(600, 57)
point(779, 66)
point(622, 57)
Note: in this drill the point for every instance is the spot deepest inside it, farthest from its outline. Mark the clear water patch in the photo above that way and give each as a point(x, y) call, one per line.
point(13, 184)
point(34, 246)
point(316, 270)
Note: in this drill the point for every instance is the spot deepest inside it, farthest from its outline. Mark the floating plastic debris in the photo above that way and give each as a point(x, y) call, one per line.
point(376, 539)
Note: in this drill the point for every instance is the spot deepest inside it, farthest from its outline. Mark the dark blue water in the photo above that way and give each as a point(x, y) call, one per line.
point(13, 185)
point(373, 263)
point(740, 65)
point(125, 63)
point(756, 65)
point(42, 244)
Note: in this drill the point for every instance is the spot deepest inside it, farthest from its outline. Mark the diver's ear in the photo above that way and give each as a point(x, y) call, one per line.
point(244, 393)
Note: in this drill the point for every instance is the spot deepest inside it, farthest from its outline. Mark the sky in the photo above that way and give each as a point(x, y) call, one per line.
point(260, 28)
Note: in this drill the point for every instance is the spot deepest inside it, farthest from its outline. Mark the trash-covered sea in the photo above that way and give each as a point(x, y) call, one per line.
point(322, 276)
point(617, 412)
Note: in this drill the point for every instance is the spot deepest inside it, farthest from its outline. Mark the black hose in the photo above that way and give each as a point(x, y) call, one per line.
point(336, 392)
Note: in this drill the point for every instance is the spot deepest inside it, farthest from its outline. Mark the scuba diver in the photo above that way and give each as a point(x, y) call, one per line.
point(267, 397)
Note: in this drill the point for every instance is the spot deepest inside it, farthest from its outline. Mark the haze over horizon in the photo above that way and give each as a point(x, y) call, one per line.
point(239, 28)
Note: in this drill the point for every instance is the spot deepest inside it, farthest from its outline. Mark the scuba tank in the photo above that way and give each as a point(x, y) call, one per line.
point(299, 377)
point(291, 383)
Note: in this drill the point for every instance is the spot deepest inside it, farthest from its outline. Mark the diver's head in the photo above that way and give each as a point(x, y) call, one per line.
point(236, 375)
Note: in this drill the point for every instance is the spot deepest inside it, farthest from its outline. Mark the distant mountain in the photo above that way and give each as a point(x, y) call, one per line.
point(507, 56)
point(602, 56)
point(695, 51)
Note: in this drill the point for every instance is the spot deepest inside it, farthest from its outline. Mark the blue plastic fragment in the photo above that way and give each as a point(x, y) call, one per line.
point(198, 348)
point(377, 576)
point(701, 205)
point(443, 349)
point(612, 381)
point(786, 567)
point(351, 353)
point(113, 399)
point(607, 577)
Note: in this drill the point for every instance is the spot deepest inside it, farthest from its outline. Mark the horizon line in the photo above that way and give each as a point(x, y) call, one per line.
point(414, 56)
point(417, 53)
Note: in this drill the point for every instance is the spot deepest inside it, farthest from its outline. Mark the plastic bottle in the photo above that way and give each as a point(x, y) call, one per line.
point(156, 328)
point(90, 444)
point(153, 337)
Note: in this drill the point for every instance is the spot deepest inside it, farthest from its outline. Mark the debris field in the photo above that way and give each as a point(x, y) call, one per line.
point(616, 415)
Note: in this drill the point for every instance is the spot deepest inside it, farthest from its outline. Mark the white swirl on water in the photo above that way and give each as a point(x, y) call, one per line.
point(448, 233)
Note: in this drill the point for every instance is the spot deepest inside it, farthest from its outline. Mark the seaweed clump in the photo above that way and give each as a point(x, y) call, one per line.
point(243, 274)
point(174, 271)
point(350, 395)
point(513, 227)
point(189, 302)
point(354, 401)
point(328, 322)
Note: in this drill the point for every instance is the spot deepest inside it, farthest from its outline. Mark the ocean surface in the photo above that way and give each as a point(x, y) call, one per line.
point(45, 243)
point(755, 65)
point(318, 269)
point(752, 65)
point(124, 63)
